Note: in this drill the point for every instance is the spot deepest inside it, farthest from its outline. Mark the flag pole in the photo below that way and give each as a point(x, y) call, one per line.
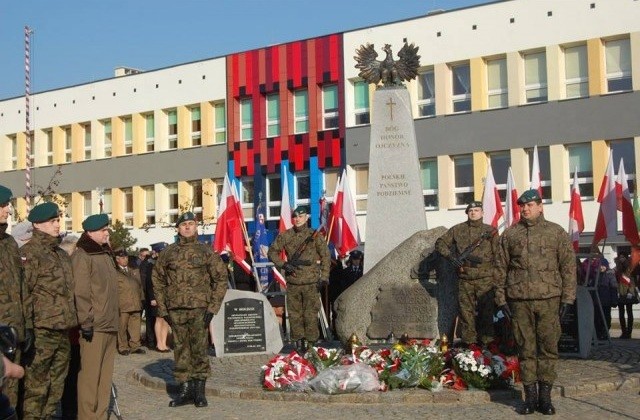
point(250, 251)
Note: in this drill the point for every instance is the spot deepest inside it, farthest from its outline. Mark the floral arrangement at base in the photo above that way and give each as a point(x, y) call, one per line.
point(473, 366)
point(290, 372)
point(323, 358)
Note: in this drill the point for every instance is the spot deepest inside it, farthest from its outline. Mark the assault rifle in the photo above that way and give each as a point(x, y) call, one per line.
point(294, 262)
point(465, 256)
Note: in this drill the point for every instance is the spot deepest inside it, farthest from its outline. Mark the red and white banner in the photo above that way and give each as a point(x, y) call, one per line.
point(344, 228)
point(606, 224)
point(512, 210)
point(491, 203)
point(576, 219)
point(623, 204)
point(536, 178)
point(229, 235)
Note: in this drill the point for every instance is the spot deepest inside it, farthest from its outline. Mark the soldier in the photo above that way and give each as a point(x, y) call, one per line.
point(96, 294)
point(476, 286)
point(11, 290)
point(130, 304)
point(189, 282)
point(307, 271)
point(536, 285)
point(48, 306)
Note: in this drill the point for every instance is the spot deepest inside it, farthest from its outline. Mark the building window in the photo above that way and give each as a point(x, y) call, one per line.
point(196, 197)
point(86, 204)
point(49, 136)
point(127, 194)
point(576, 71)
point(105, 206)
point(87, 141)
point(247, 192)
point(535, 77)
point(500, 163)
point(330, 106)
point(362, 188)
point(461, 88)
point(13, 139)
point(149, 204)
point(330, 183)
point(544, 161)
point(361, 102)
point(273, 115)
point(497, 90)
point(625, 149)
point(463, 176)
point(580, 160)
point(426, 94)
point(172, 117)
point(429, 177)
point(618, 62)
point(302, 188)
point(150, 132)
point(173, 202)
point(196, 127)
point(274, 197)
point(301, 111)
point(220, 122)
point(68, 144)
point(107, 138)
point(246, 119)
point(128, 136)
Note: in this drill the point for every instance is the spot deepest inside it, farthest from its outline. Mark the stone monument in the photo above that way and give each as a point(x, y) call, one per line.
point(395, 204)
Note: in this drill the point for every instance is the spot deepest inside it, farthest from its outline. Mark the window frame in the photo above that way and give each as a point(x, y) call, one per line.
point(272, 126)
point(501, 92)
point(582, 180)
point(538, 85)
point(196, 126)
point(461, 101)
point(220, 131)
point(330, 116)
point(462, 194)
point(582, 80)
point(301, 120)
point(428, 193)
point(430, 102)
point(246, 126)
point(625, 76)
point(150, 138)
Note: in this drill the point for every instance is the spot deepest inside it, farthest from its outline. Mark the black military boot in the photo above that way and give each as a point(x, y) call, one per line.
point(185, 396)
point(544, 401)
point(530, 399)
point(199, 399)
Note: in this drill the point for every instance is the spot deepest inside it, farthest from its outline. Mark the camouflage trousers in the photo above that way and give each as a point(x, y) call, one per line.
point(536, 328)
point(44, 377)
point(476, 300)
point(10, 387)
point(303, 304)
point(190, 337)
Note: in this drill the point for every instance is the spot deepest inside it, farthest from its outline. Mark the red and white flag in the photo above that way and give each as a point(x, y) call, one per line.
point(576, 219)
point(285, 223)
point(512, 210)
point(229, 235)
point(536, 178)
point(344, 228)
point(491, 203)
point(606, 224)
point(623, 204)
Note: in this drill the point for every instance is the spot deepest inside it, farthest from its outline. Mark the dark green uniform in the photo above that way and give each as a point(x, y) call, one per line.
point(303, 301)
point(476, 287)
point(189, 280)
point(536, 271)
point(49, 304)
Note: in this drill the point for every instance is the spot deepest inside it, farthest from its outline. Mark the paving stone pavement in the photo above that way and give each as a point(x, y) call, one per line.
point(604, 386)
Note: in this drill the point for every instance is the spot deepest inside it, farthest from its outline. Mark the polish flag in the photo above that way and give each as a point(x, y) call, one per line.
point(229, 235)
point(285, 223)
point(512, 210)
point(606, 224)
point(536, 178)
point(344, 228)
point(576, 219)
point(491, 203)
point(623, 204)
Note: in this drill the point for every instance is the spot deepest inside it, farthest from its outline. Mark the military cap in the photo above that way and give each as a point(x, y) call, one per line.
point(158, 246)
point(356, 254)
point(473, 205)
point(185, 217)
point(95, 222)
point(5, 195)
point(528, 196)
point(120, 252)
point(301, 210)
point(43, 212)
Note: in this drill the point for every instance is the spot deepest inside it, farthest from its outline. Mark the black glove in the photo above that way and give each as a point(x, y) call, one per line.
point(208, 316)
point(506, 311)
point(455, 262)
point(321, 284)
point(564, 310)
point(29, 339)
point(289, 268)
point(87, 334)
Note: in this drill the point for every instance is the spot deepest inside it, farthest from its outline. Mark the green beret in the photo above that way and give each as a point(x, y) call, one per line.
point(43, 212)
point(95, 222)
point(5, 195)
point(528, 196)
point(301, 210)
point(185, 217)
point(473, 205)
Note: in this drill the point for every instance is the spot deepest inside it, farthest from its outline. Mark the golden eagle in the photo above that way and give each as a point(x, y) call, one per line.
point(387, 71)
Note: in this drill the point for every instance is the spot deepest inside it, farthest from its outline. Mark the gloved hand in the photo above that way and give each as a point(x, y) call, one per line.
point(455, 262)
point(506, 311)
point(564, 310)
point(208, 316)
point(289, 268)
point(321, 284)
point(29, 339)
point(87, 334)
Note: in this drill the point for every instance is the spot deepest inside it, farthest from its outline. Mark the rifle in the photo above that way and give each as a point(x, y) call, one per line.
point(465, 256)
point(294, 262)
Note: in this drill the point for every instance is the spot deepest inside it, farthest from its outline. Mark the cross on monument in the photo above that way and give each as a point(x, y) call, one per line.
point(390, 104)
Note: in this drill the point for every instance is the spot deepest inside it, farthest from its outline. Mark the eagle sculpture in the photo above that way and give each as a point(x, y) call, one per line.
point(388, 71)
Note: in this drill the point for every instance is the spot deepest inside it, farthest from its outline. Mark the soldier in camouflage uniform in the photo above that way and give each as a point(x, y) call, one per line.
point(305, 275)
point(189, 282)
point(536, 285)
point(476, 286)
point(11, 312)
point(49, 305)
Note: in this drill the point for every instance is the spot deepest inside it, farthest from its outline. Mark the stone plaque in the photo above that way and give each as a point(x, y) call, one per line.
point(577, 327)
point(404, 307)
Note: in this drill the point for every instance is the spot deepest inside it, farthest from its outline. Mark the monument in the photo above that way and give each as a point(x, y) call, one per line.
point(395, 204)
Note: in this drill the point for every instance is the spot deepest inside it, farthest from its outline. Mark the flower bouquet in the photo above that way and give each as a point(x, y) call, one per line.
point(290, 372)
point(323, 358)
point(473, 367)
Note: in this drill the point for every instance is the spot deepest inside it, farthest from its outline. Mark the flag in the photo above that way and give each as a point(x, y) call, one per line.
point(344, 228)
point(606, 224)
point(623, 204)
point(512, 210)
point(576, 219)
point(491, 203)
point(229, 235)
point(324, 216)
point(285, 223)
point(261, 246)
point(536, 178)
point(636, 207)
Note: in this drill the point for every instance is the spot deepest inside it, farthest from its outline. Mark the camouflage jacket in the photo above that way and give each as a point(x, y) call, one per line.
point(535, 261)
point(189, 275)
point(48, 299)
point(129, 290)
point(459, 237)
point(11, 312)
point(315, 253)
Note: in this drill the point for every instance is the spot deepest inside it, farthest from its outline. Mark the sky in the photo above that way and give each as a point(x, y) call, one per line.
point(79, 41)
